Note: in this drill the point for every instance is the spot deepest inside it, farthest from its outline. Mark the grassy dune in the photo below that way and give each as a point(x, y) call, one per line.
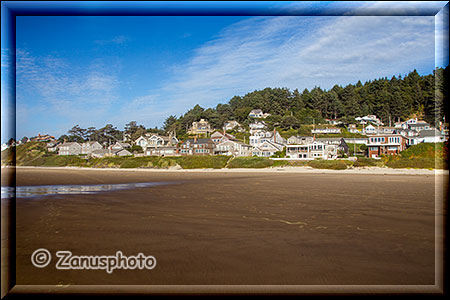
point(427, 156)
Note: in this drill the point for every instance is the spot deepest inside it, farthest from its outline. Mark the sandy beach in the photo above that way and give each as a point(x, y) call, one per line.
point(236, 227)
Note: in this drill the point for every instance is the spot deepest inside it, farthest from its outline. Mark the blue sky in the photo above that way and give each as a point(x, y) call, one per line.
point(97, 70)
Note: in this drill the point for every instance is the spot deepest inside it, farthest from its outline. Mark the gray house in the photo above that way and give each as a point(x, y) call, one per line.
point(72, 148)
point(88, 147)
point(339, 142)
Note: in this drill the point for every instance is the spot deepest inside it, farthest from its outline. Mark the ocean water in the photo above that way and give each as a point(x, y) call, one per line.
point(45, 190)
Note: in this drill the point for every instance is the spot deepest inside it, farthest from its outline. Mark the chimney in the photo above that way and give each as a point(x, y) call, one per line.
point(274, 135)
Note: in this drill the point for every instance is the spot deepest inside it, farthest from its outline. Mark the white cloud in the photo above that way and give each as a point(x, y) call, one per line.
point(297, 52)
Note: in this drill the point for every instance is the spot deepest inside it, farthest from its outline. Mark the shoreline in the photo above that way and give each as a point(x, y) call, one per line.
point(303, 170)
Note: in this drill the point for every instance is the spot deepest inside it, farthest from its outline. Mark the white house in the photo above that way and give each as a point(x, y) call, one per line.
point(230, 125)
point(155, 140)
point(326, 130)
point(257, 126)
point(267, 149)
point(369, 129)
point(219, 137)
point(311, 151)
point(295, 140)
point(259, 137)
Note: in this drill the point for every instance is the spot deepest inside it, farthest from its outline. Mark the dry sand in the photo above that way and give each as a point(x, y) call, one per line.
point(235, 227)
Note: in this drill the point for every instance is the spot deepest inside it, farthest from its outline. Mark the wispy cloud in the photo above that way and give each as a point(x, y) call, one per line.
point(117, 40)
point(296, 52)
point(62, 90)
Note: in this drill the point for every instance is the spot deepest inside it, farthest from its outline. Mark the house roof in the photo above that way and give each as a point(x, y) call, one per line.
point(429, 133)
point(70, 144)
point(329, 139)
point(199, 141)
point(256, 111)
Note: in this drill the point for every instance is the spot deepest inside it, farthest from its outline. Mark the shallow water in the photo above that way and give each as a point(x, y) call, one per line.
point(45, 190)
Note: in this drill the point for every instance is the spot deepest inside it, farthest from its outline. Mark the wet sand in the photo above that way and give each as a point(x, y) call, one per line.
point(225, 228)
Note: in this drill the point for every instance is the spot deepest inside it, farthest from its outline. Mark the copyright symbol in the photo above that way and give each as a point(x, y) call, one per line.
point(41, 258)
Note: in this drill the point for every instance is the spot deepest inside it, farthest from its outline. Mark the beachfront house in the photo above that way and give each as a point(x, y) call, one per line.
point(295, 140)
point(156, 141)
point(161, 151)
point(120, 146)
point(339, 142)
point(267, 149)
point(311, 151)
point(233, 148)
point(197, 146)
point(386, 144)
point(53, 146)
point(71, 148)
point(88, 147)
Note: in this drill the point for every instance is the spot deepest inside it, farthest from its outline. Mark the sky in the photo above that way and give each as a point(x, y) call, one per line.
point(91, 71)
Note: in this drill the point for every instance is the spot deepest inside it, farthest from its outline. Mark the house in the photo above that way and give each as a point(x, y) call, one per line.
point(200, 127)
point(53, 146)
point(419, 126)
point(369, 129)
point(296, 140)
point(406, 132)
point(386, 144)
point(311, 151)
point(100, 153)
point(353, 129)
point(233, 125)
point(369, 119)
point(43, 138)
point(72, 148)
point(219, 137)
point(325, 130)
point(430, 136)
point(155, 140)
point(361, 141)
point(88, 147)
point(333, 121)
point(119, 146)
point(257, 126)
point(386, 130)
point(260, 137)
point(162, 151)
point(197, 147)
point(267, 149)
point(233, 148)
point(121, 152)
point(339, 142)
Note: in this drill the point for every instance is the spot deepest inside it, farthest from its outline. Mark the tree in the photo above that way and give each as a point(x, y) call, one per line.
point(78, 132)
point(170, 123)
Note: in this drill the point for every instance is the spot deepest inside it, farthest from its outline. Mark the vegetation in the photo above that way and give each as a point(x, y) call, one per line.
point(421, 156)
point(329, 164)
point(294, 112)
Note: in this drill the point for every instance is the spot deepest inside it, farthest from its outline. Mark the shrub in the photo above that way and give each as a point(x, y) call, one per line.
point(250, 162)
point(328, 164)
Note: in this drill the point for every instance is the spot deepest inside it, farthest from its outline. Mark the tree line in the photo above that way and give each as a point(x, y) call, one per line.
point(394, 99)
